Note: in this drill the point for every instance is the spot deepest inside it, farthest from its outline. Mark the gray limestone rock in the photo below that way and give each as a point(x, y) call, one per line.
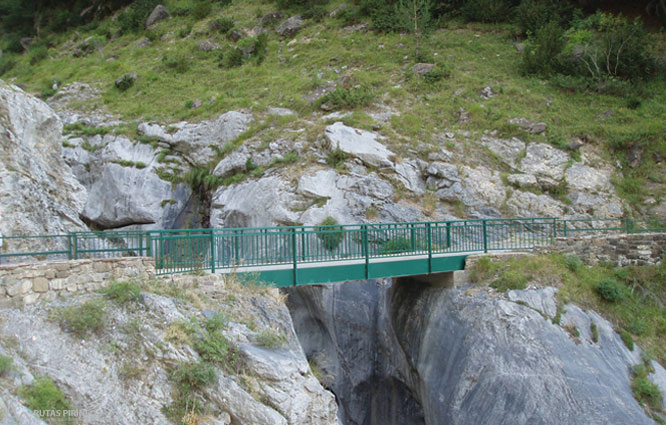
point(529, 126)
point(422, 68)
point(528, 204)
point(583, 177)
point(508, 150)
point(409, 174)
point(290, 27)
point(194, 140)
point(544, 162)
point(360, 144)
point(158, 14)
point(462, 356)
point(542, 300)
point(40, 193)
point(522, 180)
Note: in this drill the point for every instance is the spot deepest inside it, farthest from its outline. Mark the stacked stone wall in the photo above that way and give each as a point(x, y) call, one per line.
point(639, 249)
point(28, 283)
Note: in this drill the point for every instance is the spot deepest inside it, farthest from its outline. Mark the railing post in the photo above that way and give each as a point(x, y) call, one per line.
point(429, 228)
point(75, 253)
point(303, 253)
point(149, 245)
point(212, 251)
point(236, 253)
point(448, 235)
point(555, 228)
point(565, 228)
point(412, 237)
point(294, 254)
point(366, 252)
point(485, 236)
point(69, 246)
point(628, 224)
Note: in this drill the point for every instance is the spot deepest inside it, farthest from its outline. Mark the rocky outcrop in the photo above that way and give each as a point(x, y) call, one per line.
point(359, 144)
point(290, 27)
point(124, 373)
point(158, 14)
point(196, 141)
point(40, 195)
point(403, 352)
point(123, 186)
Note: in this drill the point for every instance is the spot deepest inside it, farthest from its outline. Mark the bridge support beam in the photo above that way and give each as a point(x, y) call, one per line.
point(438, 280)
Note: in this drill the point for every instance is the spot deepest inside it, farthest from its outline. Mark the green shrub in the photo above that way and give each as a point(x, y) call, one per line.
point(487, 10)
point(315, 12)
point(531, 15)
point(610, 290)
point(646, 392)
point(190, 377)
point(201, 9)
point(347, 98)
point(604, 46)
point(216, 323)
point(271, 339)
point(231, 58)
point(542, 50)
point(573, 262)
point(330, 234)
point(510, 279)
point(5, 364)
point(627, 339)
point(222, 25)
point(43, 394)
point(125, 82)
point(435, 76)
point(37, 54)
point(396, 246)
point(213, 347)
point(134, 17)
point(123, 292)
point(336, 158)
point(87, 318)
point(178, 62)
point(7, 63)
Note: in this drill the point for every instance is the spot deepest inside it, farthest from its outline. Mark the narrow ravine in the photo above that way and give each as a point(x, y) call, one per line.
point(401, 352)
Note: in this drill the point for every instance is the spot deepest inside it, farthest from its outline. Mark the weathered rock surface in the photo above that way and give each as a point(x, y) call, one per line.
point(40, 193)
point(544, 162)
point(158, 14)
point(277, 387)
point(360, 144)
point(194, 140)
point(508, 150)
point(443, 356)
point(290, 27)
point(529, 126)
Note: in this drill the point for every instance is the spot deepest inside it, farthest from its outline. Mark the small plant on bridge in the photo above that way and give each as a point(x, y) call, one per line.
point(396, 246)
point(330, 234)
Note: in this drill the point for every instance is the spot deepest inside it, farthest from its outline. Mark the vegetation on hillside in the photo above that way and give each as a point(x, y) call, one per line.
point(587, 74)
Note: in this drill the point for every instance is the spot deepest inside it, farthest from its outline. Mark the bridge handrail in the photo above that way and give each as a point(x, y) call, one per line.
point(179, 250)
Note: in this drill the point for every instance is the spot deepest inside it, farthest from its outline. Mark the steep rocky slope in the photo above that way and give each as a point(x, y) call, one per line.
point(127, 372)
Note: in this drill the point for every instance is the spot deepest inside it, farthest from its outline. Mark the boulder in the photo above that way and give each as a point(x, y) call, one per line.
point(359, 144)
point(409, 174)
point(487, 93)
point(507, 150)
point(422, 68)
point(529, 126)
point(126, 80)
point(158, 14)
point(290, 27)
point(528, 204)
point(208, 45)
point(270, 18)
point(583, 177)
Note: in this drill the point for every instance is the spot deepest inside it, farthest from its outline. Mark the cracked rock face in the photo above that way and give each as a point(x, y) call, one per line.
point(463, 356)
point(40, 193)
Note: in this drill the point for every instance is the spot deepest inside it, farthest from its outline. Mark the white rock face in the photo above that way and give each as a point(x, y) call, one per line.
point(194, 140)
point(508, 150)
point(582, 177)
point(125, 196)
point(409, 174)
point(359, 144)
point(40, 195)
point(264, 202)
point(544, 162)
point(528, 204)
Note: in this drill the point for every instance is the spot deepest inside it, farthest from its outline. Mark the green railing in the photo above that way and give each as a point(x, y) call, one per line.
point(177, 251)
point(186, 250)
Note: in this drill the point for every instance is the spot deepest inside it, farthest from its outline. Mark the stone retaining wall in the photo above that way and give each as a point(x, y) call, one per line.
point(638, 249)
point(28, 283)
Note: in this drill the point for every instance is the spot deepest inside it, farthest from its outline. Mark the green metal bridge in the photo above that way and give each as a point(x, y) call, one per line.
point(297, 255)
